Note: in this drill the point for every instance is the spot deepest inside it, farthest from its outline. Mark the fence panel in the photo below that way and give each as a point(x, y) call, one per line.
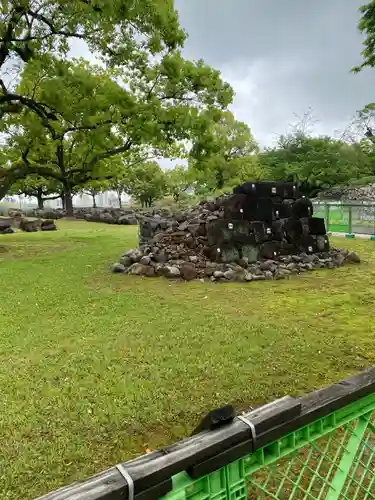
point(363, 219)
point(337, 217)
point(332, 458)
point(347, 217)
point(317, 447)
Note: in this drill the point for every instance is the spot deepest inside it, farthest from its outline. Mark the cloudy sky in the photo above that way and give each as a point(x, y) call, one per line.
point(283, 57)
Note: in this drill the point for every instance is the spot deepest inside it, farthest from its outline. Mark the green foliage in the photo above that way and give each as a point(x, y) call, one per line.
point(97, 118)
point(363, 181)
point(71, 116)
point(121, 32)
point(67, 150)
point(221, 151)
point(316, 162)
point(178, 182)
point(145, 182)
point(366, 26)
point(38, 187)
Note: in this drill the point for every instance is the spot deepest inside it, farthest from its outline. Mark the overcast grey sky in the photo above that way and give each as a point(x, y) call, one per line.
point(282, 57)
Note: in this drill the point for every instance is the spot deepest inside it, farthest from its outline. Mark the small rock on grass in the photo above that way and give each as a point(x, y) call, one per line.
point(353, 258)
point(171, 272)
point(188, 272)
point(139, 269)
point(116, 268)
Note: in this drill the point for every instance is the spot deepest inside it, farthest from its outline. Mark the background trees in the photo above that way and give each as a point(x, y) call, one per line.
point(70, 126)
point(99, 118)
point(178, 182)
point(146, 183)
point(317, 163)
point(37, 187)
point(219, 151)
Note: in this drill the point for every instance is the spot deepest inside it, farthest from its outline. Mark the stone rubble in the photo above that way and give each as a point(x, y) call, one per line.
point(176, 248)
point(360, 193)
point(7, 225)
point(145, 263)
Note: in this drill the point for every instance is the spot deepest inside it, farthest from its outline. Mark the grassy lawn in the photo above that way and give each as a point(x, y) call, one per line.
point(95, 367)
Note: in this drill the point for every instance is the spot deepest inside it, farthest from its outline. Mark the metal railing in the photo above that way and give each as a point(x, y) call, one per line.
point(319, 446)
point(345, 217)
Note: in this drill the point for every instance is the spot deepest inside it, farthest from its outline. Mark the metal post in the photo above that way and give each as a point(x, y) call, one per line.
point(327, 216)
point(350, 219)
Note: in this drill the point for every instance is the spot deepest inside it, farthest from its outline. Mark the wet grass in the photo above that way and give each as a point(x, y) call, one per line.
point(95, 367)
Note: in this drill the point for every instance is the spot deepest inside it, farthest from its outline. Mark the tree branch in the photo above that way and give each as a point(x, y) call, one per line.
point(53, 29)
point(6, 40)
point(39, 108)
point(50, 198)
point(85, 127)
point(9, 176)
point(108, 154)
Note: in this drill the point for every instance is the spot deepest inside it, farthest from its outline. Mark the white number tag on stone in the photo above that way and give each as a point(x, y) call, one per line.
point(268, 230)
point(241, 210)
point(273, 190)
point(310, 249)
point(218, 250)
point(230, 225)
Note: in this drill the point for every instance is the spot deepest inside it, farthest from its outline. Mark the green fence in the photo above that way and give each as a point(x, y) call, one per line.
point(344, 217)
point(319, 446)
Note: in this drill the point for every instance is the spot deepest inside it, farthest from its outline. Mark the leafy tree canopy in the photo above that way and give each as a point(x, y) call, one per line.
point(121, 32)
point(366, 26)
point(146, 183)
point(178, 181)
point(315, 162)
point(97, 116)
point(37, 187)
point(218, 151)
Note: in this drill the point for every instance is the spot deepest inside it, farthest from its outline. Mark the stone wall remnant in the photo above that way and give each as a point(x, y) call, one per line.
point(263, 230)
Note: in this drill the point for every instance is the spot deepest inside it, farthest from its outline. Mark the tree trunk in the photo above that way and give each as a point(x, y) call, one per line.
point(119, 199)
point(63, 201)
point(219, 179)
point(40, 202)
point(93, 201)
point(68, 198)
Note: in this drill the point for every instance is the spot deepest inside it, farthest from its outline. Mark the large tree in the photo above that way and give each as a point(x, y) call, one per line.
point(218, 150)
point(158, 110)
point(63, 149)
point(121, 32)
